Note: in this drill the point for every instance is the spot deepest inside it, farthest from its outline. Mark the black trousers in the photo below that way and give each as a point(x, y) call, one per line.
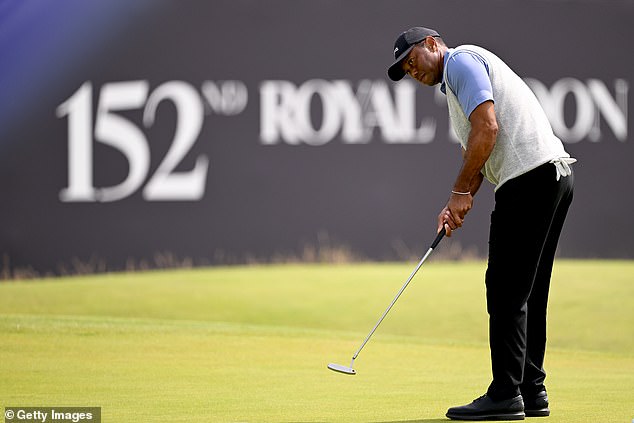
point(526, 222)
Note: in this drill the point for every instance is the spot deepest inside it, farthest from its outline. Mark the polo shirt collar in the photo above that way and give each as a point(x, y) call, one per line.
point(443, 87)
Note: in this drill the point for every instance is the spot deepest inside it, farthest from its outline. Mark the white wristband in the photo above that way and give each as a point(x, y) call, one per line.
point(460, 193)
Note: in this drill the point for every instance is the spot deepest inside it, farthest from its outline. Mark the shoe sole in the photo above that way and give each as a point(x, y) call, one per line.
point(542, 412)
point(489, 416)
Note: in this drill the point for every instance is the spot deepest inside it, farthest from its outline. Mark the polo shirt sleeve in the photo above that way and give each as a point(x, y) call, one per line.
point(468, 78)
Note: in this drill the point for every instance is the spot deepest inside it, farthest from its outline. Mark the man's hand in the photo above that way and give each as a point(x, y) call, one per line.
point(453, 215)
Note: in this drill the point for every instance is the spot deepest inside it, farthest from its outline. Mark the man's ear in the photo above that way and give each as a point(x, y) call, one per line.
point(430, 43)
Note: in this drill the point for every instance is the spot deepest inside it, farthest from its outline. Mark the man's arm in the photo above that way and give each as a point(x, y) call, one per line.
point(481, 141)
point(479, 146)
point(475, 184)
point(477, 181)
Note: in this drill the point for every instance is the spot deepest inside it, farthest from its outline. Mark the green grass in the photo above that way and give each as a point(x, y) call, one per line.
point(251, 344)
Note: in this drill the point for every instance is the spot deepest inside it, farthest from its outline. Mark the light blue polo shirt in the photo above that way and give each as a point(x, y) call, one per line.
point(468, 78)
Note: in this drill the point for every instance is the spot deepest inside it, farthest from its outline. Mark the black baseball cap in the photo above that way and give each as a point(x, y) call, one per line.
point(403, 45)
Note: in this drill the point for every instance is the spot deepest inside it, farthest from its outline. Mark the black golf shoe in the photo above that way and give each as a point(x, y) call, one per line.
point(537, 405)
point(484, 408)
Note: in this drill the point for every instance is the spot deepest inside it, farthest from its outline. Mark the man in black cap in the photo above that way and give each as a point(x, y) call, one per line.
point(506, 138)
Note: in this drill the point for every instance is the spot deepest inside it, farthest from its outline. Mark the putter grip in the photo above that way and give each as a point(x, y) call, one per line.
point(438, 238)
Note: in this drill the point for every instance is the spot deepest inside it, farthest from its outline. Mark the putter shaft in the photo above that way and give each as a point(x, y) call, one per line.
point(440, 235)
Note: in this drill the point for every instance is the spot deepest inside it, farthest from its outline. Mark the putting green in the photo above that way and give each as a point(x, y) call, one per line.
point(251, 344)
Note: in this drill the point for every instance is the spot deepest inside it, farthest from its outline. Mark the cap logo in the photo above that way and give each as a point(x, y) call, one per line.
point(395, 50)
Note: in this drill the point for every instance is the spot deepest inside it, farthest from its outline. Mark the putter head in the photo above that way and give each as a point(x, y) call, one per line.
point(342, 369)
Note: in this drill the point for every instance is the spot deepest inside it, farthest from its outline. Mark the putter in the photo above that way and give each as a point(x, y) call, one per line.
point(349, 370)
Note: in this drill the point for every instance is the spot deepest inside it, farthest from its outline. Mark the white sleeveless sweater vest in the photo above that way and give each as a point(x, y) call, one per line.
point(525, 138)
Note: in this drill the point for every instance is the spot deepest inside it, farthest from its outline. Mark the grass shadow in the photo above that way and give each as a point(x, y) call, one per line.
point(410, 421)
point(418, 421)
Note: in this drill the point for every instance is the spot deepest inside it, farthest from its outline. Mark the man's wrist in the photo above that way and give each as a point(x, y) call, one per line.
point(461, 189)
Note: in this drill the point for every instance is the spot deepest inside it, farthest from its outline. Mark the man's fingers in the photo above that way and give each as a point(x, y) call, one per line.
point(449, 219)
point(453, 218)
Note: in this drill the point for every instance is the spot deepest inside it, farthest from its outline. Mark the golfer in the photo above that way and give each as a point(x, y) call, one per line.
point(507, 139)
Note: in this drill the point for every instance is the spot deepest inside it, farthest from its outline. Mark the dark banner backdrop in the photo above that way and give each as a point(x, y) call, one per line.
point(226, 131)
